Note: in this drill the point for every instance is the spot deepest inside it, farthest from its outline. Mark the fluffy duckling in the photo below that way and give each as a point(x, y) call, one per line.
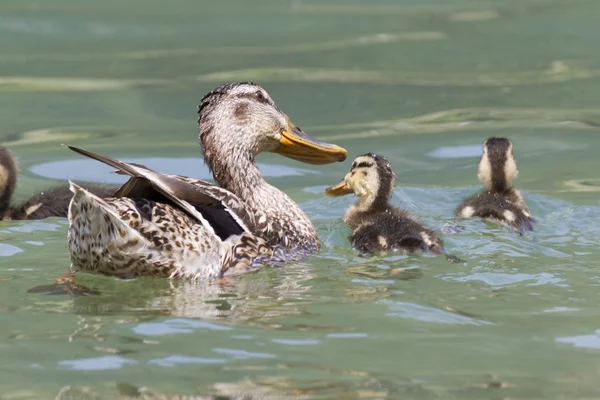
point(53, 202)
point(499, 201)
point(376, 225)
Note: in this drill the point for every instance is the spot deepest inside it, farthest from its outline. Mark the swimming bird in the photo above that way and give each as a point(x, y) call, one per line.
point(51, 202)
point(499, 201)
point(376, 225)
point(176, 226)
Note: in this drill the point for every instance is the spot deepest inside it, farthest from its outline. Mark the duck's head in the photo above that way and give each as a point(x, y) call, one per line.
point(241, 120)
point(497, 167)
point(371, 178)
point(8, 177)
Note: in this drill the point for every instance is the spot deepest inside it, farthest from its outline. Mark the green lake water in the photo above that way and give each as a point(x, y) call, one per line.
point(423, 82)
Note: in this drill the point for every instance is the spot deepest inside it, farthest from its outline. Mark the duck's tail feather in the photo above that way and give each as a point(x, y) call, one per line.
point(88, 202)
point(96, 230)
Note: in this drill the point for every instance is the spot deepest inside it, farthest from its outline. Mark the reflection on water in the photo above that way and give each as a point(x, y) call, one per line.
point(94, 171)
point(426, 314)
point(97, 363)
point(582, 341)
point(468, 151)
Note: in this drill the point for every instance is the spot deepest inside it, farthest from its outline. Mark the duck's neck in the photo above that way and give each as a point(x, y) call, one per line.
point(498, 184)
point(237, 172)
point(284, 223)
point(364, 208)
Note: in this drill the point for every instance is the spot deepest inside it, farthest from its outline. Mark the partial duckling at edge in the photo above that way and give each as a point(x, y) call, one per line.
point(53, 202)
point(499, 201)
point(376, 225)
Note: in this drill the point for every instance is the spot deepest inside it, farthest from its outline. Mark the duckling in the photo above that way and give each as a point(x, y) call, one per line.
point(376, 225)
point(499, 201)
point(53, 202)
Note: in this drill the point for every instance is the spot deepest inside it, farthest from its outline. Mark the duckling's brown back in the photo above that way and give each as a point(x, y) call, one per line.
point(497, 207)
point(53, 202)
point(392, 231)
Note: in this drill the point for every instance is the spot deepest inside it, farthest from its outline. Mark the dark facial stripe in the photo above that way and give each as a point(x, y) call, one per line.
point(364, 164)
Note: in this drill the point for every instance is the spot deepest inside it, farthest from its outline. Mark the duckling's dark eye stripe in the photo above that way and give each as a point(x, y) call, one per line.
point(252, 96)
point(364, 164)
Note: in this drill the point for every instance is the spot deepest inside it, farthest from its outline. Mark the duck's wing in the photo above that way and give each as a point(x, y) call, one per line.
point(195, 199)
point(225, 197)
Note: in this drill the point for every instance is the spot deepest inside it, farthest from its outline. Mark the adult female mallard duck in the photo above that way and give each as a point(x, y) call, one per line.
point(52, 202)
point(174, 226)
point(499, 201)
point(376, 225)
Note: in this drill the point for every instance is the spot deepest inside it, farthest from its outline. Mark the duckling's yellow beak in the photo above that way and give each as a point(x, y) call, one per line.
point(301, 147)
point(340, 189)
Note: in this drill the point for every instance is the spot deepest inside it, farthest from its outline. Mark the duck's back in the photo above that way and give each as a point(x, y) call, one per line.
point(129, 237)
point(394, 231)
point(498, 207)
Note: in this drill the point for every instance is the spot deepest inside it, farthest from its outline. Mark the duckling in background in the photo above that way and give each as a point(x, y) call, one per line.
point(499, 201)
point(53, 202)
point(376, 225)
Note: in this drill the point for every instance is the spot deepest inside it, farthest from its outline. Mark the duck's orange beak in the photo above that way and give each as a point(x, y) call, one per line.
point(301, 147)
point(340, 189)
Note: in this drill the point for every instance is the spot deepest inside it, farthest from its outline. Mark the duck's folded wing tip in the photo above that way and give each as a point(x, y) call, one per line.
point(73, 187)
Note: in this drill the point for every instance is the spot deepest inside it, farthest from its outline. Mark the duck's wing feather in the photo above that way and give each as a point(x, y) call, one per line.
point(194, 199)
point(225, 197)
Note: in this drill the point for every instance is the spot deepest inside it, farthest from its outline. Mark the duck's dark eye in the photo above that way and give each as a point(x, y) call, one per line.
point(260, 96)
point(354, 164)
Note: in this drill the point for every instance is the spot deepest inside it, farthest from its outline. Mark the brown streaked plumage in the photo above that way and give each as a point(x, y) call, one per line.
point(52, 202)
point(175, 226)
point(376, 225)
point(499, 201)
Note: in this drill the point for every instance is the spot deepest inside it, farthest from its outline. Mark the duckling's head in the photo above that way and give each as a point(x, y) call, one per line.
point(8, 178)
point(371, 178)
point(497, 167)
point(241, 120)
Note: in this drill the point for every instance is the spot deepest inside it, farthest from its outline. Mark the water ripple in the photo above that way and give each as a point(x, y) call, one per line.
point(348, 335)
point(93, 171)
point(97, 363)
point(176, 325)
point(34, 226)
point(7, 250)
point(427, 314)
point(174, 360)
point(297, 342)
point(583, 341)
point(497, 279)
point(466, 151)
point(243, 354)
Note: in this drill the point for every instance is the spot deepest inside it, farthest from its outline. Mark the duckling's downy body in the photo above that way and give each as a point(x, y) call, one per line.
point(376, 225)
point(499, 201)
point(53, 202)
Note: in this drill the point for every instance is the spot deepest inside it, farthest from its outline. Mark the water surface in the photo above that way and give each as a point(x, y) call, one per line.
point(423, 83)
